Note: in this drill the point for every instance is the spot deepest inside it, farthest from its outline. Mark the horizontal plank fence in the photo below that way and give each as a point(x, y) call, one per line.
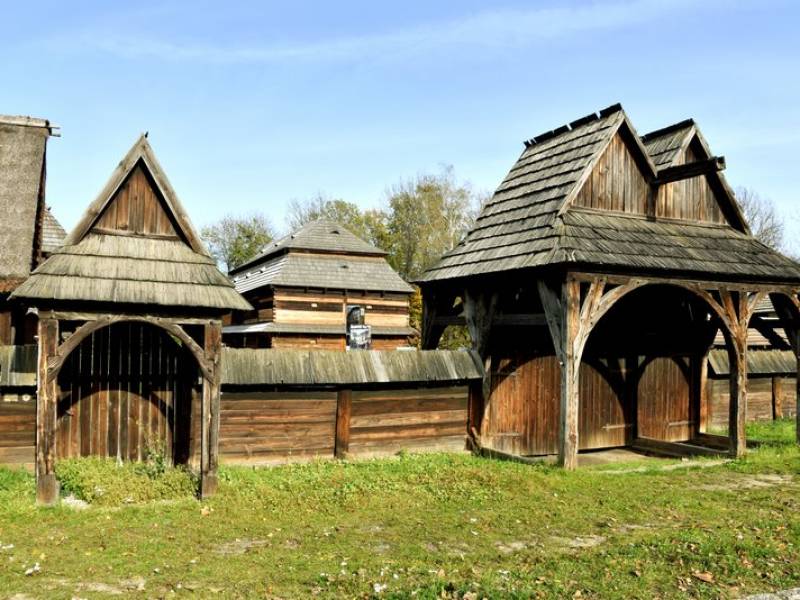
point(261, 428)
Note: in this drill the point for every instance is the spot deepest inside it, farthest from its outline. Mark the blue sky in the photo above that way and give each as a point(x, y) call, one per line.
point(252, 104)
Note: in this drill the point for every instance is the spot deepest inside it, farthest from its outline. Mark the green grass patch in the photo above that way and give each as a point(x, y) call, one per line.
point(422, 526)
point(104, 482)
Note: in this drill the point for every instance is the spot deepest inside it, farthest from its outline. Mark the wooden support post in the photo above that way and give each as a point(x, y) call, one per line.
point(344, 406)
point(702, 394)
point(46, 416)
point(777, 398)
point(737, 414)
point(570, 374)
point(479, 309)
point(209, 428)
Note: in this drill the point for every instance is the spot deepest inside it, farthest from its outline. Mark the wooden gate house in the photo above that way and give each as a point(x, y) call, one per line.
point(129, 330)
point(593, 285)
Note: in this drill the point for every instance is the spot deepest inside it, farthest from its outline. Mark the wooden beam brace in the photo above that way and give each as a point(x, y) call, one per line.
point(715, 164)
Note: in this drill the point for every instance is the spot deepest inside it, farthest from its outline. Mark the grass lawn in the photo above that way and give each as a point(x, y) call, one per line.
point(427, 526)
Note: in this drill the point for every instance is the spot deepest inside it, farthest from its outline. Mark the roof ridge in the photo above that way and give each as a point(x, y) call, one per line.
point(572, 125)
point(668, 129)
point(28, 121)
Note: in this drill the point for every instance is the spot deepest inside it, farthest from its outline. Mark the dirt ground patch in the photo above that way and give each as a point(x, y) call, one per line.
point(749, 482)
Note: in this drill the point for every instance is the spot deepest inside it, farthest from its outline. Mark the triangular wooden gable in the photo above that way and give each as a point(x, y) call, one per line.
point(616, 181)
point(137, 208)
point(138, 200)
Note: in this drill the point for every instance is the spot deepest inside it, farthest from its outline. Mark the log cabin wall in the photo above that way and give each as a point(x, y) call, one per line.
point(308, 342)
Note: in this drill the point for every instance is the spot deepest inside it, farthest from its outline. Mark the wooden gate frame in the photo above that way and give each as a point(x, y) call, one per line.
point(571, 315)
point(52, 356)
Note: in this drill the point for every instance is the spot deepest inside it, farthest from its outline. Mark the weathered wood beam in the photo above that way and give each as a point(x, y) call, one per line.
point(46, 416)
point(715, 164)
point(447, 320)
point(521, 319)
point(479, 310)
point(676, 449)
point(570, 376)
point(209, 412)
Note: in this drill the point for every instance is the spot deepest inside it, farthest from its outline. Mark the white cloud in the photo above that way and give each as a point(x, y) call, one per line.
point(499, 28)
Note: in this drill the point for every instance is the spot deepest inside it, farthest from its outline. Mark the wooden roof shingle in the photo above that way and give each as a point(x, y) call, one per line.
point(93, 266)
point(530, 221)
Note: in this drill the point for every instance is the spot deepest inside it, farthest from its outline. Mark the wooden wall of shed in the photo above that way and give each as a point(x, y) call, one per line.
point(767, 398)
point(18, 427)
point(523, 412)
point(288, 424)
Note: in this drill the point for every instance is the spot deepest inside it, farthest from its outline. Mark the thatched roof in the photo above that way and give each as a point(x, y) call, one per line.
point(322, 254)
point(22, 165)
point(530, 221)
point(127, 268)
point(326, 367)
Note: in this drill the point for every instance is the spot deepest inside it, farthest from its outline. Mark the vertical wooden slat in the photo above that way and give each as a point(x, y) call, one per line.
point(344, 405)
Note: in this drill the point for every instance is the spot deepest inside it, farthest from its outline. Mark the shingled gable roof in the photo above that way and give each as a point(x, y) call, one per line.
point(322, 254)
point(322, 236)
point(530, 222)
point(23, 143)
point(95, 266)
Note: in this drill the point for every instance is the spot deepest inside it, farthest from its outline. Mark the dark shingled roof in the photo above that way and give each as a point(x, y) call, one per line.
point(22, 155)
point(131, 269)
point(320, 271)
point(665, 145)
point(320, 236)
point(322, 254)
point(530, 222)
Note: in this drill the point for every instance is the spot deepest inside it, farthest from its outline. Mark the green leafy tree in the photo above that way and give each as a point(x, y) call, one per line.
point(235, 240)
point(426, 217)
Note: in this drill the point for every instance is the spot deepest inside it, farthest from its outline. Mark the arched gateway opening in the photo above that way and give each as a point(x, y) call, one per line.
point(126, 391)
point(656, 364)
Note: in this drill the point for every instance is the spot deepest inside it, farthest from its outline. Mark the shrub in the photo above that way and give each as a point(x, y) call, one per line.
point(102, 481)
